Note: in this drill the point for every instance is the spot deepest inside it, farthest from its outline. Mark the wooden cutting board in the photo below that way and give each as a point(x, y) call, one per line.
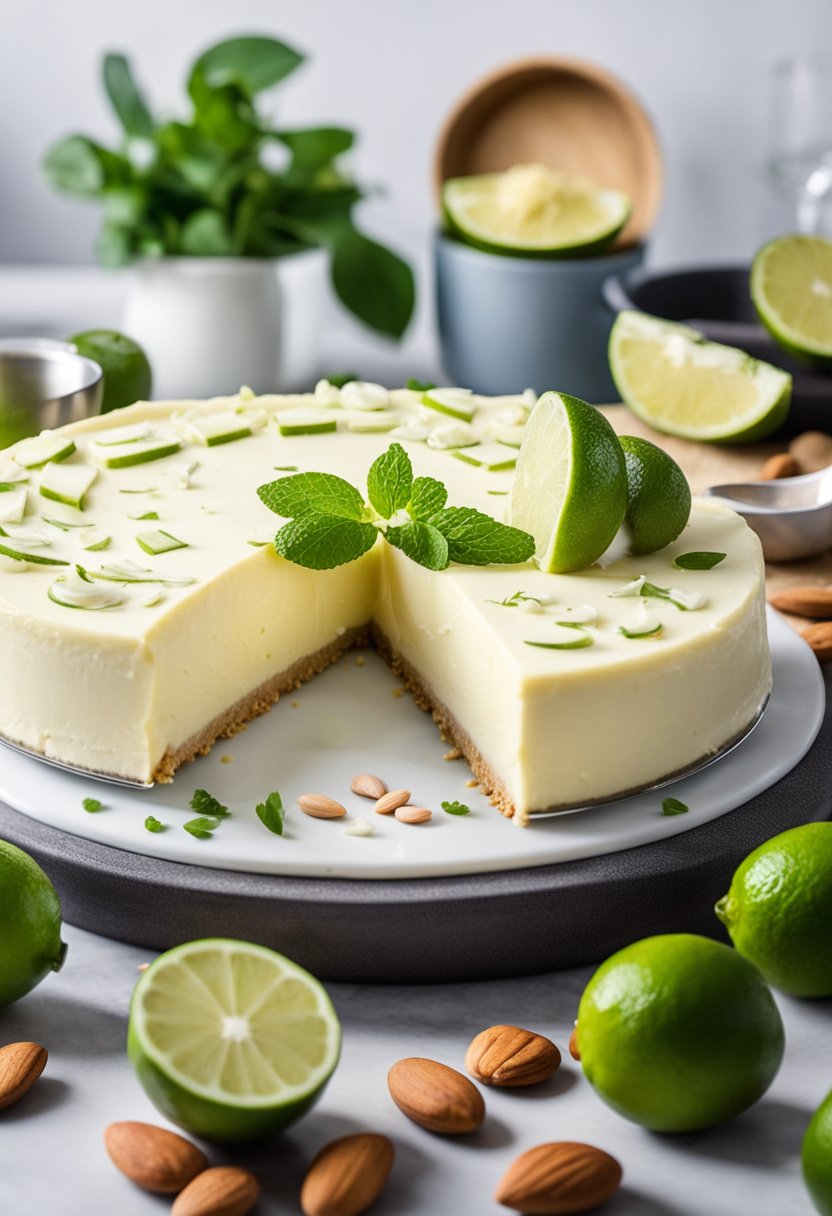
point(708, 465)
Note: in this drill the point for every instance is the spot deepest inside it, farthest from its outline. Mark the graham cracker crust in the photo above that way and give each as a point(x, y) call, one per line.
point(260, 701)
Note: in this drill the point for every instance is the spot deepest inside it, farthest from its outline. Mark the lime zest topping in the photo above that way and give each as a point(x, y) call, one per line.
point(158, 542)
point(13, 504)
point(128, 571)
point(64, 524)
point(305, 421)
point(629, 589)
point(213, 430)
point(516, 598)
point(578, 642)
point(698, 561)
point(32, 453)
point(140, 452)
point(372, 423)
point(92, 805)
point(67, 483)
point(26, 534)
point(455, 808)
point(152, 824)
point(649, 630)
point(116, 435)
point(76, 590)
point(672, 806)
point(452, 435)
point(139, 515)
point(23, 555)
point(94, 539)
point(687, 601)
point(455, 402)
point(270, 813)
point(496, 457)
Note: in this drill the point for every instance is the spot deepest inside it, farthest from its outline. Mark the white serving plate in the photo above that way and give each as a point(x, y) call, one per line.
point(351, 720)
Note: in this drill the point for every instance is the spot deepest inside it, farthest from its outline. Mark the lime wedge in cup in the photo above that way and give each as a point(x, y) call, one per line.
point(532, 211)
point(230, 1040)
point(570, 487)
point(791, 286)
point(679, 383)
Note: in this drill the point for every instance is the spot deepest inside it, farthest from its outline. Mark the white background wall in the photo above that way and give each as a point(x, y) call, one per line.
point(392, 68)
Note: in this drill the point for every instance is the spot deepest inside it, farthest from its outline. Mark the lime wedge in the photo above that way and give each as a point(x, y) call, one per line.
point(306, 421)
point(158, 542)
point(679, 383)
point(658, 505)
point(791, 286)
point(230, 1040)
point(531, 211)
point(138, 452)
point(32, 453)
point(570, 488)
point(67, 483)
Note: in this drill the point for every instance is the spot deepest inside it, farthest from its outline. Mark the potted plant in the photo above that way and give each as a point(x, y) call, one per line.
point(231, 222)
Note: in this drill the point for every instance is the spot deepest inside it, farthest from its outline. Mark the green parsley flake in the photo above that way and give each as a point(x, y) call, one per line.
point(672, 806)
point(270, 813)
point(206, 804)
point(92, 805)
point(202, 827)
point(152, 824)
point(456, 808)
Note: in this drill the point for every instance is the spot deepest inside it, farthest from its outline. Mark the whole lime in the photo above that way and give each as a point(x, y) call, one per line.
point(658, 495)
point(679, 1033)
point(778, 910)
point(30, 924)
point(817, 1157)
point(127, 374)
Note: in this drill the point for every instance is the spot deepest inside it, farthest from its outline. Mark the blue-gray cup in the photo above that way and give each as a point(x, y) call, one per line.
point(509, 323)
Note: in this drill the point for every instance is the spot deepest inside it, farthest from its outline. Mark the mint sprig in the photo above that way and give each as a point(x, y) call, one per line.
point(329, 524)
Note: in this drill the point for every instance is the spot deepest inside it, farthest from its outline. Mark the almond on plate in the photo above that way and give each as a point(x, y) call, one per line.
point(223, 1190)
point(20, 1066)
point(508, 1056)
point(153, 1157)
point(347, 1175)
point(559, 1178)
point(368, 786)
point(435, 1096)
point(804, 601)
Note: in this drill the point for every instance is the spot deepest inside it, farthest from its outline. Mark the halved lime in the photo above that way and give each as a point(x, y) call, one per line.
point(658, 495)
point(230, 1040)
point(679, 383)
point(532, 211)
point(791, 286)
point(570, 488)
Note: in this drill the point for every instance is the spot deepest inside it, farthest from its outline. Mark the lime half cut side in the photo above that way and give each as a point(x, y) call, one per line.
point(230, 1040)
point(570, 487)
point(531, 211)
point(791, 286)
point(681, 384)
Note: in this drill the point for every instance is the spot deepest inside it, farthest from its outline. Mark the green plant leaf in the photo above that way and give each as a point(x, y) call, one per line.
point(124, 205)
point(315, 147)
point(704, 560)
point(75, 165)
point(456, 808)
point(253, 63)
point(224, 114)
point(427, 496)
point(422, 543)
point(270, 813)
point(312, 494)
point(125, 97)
point(389, 481)
point(114, 245)
point(475, 539)
point(322, 542)
point(201, 827)
point(374, 283)
point(206, 804)
point(205, 234)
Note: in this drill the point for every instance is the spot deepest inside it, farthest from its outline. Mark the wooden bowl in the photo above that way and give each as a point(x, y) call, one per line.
point(564, 113)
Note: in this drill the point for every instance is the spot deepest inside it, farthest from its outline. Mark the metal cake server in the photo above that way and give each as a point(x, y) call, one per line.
point(792, 517)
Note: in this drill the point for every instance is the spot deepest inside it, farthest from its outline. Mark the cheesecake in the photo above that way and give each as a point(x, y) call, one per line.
point(145, 612)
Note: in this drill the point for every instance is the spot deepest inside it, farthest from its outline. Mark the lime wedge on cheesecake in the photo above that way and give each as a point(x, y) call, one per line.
point(570, 487)
point(532, 211)
point(230, 1040)
point(679, 383)
point(791, 286)
point(658, 495)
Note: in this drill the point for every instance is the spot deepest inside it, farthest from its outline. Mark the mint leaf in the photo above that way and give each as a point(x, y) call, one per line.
point(201, 827)
point(312, 494)
point(422, 543)
point(206, 804)
point(389, 481)
point(475, 539)
point(699, 561)
point(153, 824)
point(427, 496)
point(672, 806)
point(270, 813)
point(456, 808)
point(92, 805)
point(322, 542)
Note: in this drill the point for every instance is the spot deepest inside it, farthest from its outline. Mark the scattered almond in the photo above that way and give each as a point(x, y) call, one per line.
point(508, 1056)
point(435, 1096)
point(391, 802)
point(20, 1066)
point(321, 807)
point(574, 1047)
point(819, 638)
point(413, 814)
point(559, 1178)
point(347, 1176)
point(153, 1157)
point(368, 786)
point(223, 1190)
point(805, 601)
point(779, 466)
point(812, 450)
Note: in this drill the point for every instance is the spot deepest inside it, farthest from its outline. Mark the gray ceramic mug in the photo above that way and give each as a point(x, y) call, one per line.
point(509, 323)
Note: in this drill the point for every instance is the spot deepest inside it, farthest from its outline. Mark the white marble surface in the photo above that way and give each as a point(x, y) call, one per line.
point(52, 1162)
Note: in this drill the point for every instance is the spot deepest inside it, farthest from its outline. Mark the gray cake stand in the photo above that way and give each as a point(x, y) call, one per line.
point(430, 930)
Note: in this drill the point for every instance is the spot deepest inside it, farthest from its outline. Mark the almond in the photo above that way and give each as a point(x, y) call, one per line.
point(812, 450)
point(779, 466)
point(435, 1096)
point(391, 802)
point(819, 638)
point(413, 814)
point(368, 786)
point(574, 1046)
point(508, 1056)
point(224, 1190)
point(153, 1157)
point(559, 1178)
point(20, 1066)
point(321, 807)
point(805, 601)
point(347, 1175)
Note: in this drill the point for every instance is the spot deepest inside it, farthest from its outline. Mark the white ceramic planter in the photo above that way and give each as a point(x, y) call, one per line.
point(211, 324)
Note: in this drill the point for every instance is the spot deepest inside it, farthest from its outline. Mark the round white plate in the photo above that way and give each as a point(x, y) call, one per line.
point(354, 719)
